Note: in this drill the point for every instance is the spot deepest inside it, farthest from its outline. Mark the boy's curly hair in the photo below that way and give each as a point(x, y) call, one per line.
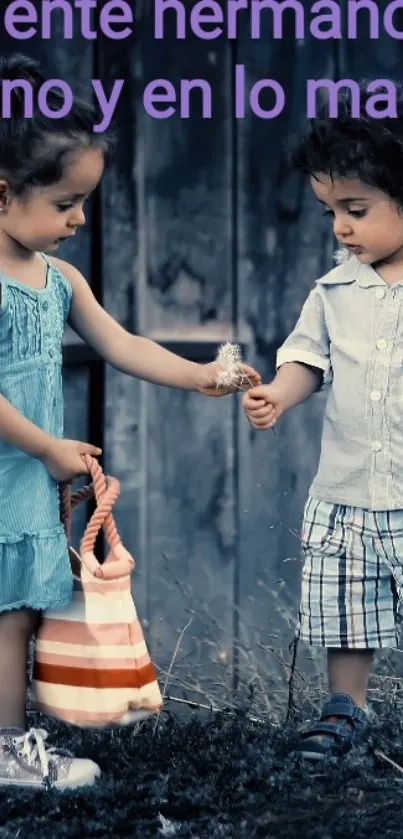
point(363, 147)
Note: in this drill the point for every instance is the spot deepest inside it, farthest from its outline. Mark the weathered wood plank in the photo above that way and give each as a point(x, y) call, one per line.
point(363, 58)
point(188, 441)
point(121, 247)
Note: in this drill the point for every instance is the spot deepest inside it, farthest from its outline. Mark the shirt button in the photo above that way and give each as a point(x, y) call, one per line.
point(381, 344)
point(51, 353)
point(45, 306)
point(380, 293)
point(375, 395)
point(376, 446)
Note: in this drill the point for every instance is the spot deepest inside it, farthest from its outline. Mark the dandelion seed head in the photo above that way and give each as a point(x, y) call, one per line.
point(226, 379)
point(341, 255)
point(229, 358)
point(229, 354)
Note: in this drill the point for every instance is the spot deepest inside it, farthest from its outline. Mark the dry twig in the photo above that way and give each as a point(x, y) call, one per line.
point(382, 755)
point(172, 662)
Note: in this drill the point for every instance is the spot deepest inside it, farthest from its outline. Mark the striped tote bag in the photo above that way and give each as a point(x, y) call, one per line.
point(91, 663)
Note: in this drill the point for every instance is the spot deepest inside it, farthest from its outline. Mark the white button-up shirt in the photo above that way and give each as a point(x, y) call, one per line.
point(351, 327)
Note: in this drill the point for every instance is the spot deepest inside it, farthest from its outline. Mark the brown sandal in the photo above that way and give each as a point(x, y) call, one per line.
point(333, 738)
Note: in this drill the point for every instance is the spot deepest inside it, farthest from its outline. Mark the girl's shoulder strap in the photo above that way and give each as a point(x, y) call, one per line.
point(58, 280)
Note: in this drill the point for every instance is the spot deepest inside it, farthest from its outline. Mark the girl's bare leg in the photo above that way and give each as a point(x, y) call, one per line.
point(16, 628)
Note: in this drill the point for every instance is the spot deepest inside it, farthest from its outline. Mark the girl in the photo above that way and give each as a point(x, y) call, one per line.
point(350, 330)
point(47, 170)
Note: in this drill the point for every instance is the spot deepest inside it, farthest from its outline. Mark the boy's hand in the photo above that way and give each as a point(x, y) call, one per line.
point(263, 406)
point(209, 373)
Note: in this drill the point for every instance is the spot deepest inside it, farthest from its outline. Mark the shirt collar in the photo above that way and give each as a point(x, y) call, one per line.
point(353, 271)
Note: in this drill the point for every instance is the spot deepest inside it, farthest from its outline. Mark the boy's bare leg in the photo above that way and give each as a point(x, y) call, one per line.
point(349, 671)
point(16, 628)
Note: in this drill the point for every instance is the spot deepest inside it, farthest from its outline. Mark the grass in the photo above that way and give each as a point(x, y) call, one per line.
point(207, 776)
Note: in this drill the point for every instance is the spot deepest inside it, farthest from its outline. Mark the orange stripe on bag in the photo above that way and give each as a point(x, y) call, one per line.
point(78, 689)
point(93, 634)
point(90, 678)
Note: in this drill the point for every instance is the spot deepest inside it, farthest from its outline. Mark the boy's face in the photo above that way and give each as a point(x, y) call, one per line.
point(44, 216)
point(365, 220)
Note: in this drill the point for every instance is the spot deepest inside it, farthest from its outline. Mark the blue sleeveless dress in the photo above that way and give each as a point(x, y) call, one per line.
point(34, 562)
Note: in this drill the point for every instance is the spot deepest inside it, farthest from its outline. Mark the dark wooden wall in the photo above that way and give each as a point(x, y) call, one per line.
point(199, 234)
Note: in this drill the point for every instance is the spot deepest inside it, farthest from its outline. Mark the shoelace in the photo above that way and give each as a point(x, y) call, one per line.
point(31, 746)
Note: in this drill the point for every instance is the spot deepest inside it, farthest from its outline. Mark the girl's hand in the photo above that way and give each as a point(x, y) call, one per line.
point(209, 373)
point(263, 406)
point(63, 458)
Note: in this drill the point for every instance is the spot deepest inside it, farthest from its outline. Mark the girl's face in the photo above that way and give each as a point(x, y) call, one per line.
point(43, 217)
point(366, 221)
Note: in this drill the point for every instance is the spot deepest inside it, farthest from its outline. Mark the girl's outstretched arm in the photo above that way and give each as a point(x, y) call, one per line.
point(134, 354)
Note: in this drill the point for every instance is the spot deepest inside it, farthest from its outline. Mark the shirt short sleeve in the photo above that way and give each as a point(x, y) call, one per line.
point(309, 342)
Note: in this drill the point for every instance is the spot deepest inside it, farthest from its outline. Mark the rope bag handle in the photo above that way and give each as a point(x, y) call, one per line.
point(119, 562)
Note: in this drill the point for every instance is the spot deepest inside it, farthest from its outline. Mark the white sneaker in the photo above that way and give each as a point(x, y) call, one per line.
point(25, 761)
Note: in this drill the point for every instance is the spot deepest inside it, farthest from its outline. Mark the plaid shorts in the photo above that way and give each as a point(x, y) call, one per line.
point(352, 576)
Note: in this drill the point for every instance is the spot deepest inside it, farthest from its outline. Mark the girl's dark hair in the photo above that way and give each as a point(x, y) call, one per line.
point(34, 149)
point(364, 147)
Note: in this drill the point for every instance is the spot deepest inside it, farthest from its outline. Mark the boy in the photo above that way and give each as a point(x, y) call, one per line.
point(350, 333)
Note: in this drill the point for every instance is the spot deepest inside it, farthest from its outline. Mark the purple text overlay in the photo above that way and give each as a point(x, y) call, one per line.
point(206, 20)
point(195, 97)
